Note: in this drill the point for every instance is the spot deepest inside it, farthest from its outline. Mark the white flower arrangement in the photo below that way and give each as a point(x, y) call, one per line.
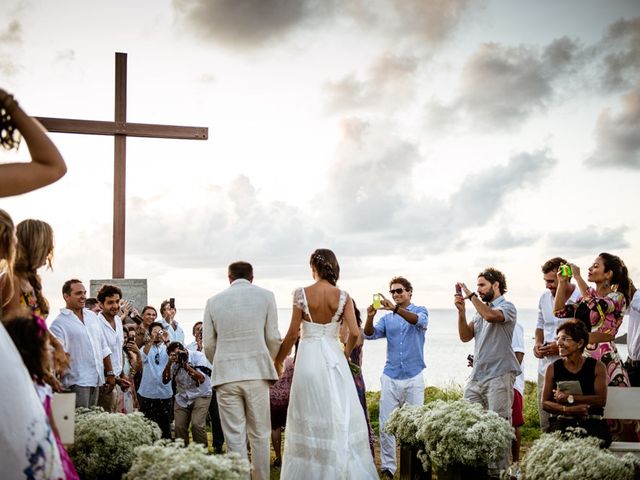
point(453, 433)
point(170, 461)
point(105, 442)
point(403, 424)
point(567, 457)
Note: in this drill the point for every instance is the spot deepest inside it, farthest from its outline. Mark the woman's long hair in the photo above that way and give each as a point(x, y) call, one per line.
point(35, 249)
point(7, 254)
point(620, 278)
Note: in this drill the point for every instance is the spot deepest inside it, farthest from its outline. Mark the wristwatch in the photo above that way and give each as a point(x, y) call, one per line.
point(110, 374)
point(570, 399)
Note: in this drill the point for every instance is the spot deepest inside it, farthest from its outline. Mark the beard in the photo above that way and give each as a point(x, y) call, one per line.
point(487, 297)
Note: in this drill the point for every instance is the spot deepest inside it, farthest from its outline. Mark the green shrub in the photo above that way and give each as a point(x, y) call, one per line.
point(531, 429)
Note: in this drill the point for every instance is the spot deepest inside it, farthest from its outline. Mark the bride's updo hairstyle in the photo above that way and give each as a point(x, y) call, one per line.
point(326, 264)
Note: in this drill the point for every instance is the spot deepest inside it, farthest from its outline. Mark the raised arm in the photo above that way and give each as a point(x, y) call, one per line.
point(46, 166)
point(465, 329)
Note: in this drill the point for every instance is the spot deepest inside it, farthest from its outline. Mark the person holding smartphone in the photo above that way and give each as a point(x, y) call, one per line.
point(402, 382)
point(168, 314)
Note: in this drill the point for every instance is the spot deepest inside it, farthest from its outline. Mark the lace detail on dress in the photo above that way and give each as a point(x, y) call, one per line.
point(341, 303)
point(298, 299)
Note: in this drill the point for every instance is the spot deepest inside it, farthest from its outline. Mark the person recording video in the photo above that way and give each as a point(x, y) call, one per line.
point(192, 373)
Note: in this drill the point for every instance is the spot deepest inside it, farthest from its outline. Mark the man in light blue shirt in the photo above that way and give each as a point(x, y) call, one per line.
point(401, 382)
point(154, 395)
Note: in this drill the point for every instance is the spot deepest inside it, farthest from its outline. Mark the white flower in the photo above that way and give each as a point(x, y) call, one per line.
point(170, 461)
point(567, 457)
point(452, 432)
point(105, 442)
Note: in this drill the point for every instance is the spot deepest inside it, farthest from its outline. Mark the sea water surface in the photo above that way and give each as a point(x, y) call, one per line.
point(444, 354)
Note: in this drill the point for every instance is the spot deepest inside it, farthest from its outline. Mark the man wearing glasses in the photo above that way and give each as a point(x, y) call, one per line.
point(401, 383)
point(155, 396)
point(495, 366)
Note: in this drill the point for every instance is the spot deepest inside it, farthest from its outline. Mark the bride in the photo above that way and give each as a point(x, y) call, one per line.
point(326, 435)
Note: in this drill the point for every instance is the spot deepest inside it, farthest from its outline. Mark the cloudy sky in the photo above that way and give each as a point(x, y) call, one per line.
point(426, 138)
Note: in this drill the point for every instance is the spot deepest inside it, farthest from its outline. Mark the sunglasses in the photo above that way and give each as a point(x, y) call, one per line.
point(397, 290)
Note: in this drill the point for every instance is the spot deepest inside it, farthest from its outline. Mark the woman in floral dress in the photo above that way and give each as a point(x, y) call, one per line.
point(601, 309)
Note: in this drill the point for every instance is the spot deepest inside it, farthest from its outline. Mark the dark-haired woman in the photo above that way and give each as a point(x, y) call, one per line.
point(47, 164)
point(601, 310)
point(327, 435)
point(568, 408)
point(355, 360)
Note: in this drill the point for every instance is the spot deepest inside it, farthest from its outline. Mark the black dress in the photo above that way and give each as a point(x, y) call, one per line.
point(592, 423)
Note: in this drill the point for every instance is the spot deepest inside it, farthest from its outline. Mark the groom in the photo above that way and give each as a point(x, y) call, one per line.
point(241, 339)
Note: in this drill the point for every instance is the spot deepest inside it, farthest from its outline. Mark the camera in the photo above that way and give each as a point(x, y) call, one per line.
point(183, 357)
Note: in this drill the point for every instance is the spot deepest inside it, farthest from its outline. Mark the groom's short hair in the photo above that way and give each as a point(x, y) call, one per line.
point(240, 270)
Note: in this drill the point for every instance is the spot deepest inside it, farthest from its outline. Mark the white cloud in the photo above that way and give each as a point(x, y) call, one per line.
point(592, 238)
point(621, 49)
point(389, 84)
point(618, 135)
point(502, 86)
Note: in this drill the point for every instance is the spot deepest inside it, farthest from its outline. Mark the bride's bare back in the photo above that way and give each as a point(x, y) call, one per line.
point(323, 301)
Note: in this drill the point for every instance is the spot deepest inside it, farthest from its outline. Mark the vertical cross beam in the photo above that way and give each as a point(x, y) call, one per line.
point(120, 169)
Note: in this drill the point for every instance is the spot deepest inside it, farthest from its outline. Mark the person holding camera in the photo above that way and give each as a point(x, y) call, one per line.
point(495, 366)
point(192, 373)
point(402, 381)
point(168, 314)
point(154, 395)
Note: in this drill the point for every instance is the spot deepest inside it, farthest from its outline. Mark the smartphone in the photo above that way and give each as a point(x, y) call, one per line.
point(172, 302)
point(458, 289)
point(376, 301)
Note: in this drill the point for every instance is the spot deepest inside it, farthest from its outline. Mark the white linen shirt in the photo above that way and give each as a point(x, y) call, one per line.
point(548, 322)
point(86, 345)
point(517, 343)
point(187, 389)
point(176, 335)
point(633, 335)
point(115, 340)
point(151, 385)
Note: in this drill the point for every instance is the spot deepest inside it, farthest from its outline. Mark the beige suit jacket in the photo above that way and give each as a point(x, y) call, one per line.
point(240, 333)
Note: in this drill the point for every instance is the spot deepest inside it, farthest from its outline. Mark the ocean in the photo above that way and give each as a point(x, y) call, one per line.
point(444, 354)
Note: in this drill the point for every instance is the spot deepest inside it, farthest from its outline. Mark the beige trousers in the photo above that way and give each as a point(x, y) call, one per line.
point(245, 413)
point(196, 415)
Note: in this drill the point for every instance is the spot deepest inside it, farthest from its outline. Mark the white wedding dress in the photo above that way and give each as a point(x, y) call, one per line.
point(326, 435)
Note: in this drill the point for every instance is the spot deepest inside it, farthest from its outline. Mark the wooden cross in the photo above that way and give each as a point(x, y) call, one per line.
point(121, 129)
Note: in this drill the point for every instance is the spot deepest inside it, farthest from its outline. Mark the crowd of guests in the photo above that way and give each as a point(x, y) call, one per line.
point(240, 374)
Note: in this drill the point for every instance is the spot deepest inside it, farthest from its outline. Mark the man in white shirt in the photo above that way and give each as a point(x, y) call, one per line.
point(192, 373)
point(633, 339)
point(168, 314)
point(545, 347)
point(80, 333)
point(109, 297)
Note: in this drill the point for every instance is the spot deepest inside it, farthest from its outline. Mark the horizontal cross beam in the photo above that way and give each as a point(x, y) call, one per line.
point(97, 127)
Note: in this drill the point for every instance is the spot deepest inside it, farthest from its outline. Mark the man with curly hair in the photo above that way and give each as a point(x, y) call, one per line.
point(495, 366)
